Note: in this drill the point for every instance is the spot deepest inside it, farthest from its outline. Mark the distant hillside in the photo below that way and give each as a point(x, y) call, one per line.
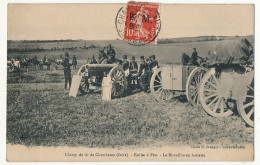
point(197, 39)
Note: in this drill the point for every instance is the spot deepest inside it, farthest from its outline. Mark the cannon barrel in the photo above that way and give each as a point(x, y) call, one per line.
point(95, 69)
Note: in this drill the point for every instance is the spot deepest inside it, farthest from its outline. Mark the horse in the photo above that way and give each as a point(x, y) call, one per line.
point(35, 63)
point(13, 66)
point(24, 63)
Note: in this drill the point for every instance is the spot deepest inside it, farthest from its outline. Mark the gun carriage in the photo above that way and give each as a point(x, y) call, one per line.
point(92, 76)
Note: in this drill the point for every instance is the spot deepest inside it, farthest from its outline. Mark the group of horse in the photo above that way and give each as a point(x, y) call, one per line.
point(15, 65)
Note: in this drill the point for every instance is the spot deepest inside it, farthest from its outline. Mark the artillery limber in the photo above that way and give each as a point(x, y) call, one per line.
point(223, 85)
point(93, 74)
point(167, 80)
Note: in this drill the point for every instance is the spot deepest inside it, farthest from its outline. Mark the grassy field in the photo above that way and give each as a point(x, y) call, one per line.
point(40, 111)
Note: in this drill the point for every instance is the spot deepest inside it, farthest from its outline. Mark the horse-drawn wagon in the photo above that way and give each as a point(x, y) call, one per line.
point(226, 83)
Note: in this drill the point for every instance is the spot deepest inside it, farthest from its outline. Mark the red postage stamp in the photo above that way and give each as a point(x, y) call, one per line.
point(142, 23)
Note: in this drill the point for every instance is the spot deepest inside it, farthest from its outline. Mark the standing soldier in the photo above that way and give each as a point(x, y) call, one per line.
point(74, 62)
point(67, 71)
point(153, 63)
point(125, 63)
point(144, 75)
point(133, 68)
point(194, 57)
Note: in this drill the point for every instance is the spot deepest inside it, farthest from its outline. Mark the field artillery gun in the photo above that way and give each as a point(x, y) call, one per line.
point(92, 77)
point(224, 85)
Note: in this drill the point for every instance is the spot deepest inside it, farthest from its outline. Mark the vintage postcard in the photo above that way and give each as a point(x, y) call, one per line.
point(130, 82)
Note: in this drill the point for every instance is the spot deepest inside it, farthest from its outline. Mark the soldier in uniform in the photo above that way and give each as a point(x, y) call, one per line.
point(153, 63)
point(102, 59)
point(111, 54)
point(133, 68)
point(194, 57)
point(185, 59)
point(144, 74)
point(111, 51)
point(67, 71)
point(74, 62)
point(125, 63)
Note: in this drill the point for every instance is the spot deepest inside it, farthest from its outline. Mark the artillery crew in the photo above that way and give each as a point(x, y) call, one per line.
point(67, 71)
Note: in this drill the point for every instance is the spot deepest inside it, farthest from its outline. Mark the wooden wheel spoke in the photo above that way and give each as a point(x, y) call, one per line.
point(160, 78)
point(214, 100)
point(217, 81)
point(250, 96)
point(157, 86)
point(197, 98)
point(217, 104)
point(249, 86)
point(211, 84)
point(158, 90)
point(160, 93)
point(250, 112)
point(194, 93)
point(249, 104)
point(157, 81)
point(210, 90)
point(210, 96)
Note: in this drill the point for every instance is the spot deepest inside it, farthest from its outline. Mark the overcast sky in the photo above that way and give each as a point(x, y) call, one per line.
point(97, 21)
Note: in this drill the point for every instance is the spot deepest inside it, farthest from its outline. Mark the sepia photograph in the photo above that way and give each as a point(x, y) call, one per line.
point(136, 81)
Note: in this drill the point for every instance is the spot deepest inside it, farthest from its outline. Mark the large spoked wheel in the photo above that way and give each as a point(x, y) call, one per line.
point(192, 85)
point(156, 87)
point(84, 86)
point(119, 82)
point(246, 104)
point(213, 95)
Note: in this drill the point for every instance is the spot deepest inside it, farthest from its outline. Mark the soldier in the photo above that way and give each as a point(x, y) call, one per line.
point(125, 63)
point(153, 63)
point(142, 67)
point(194, 57)
point(133, 65)
point(111, 51)
point(133, 68)
point(185, 59)
point(74, 62)
point(144, 75)
point(67, 71)
point(102, 59)
point(111, 54)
